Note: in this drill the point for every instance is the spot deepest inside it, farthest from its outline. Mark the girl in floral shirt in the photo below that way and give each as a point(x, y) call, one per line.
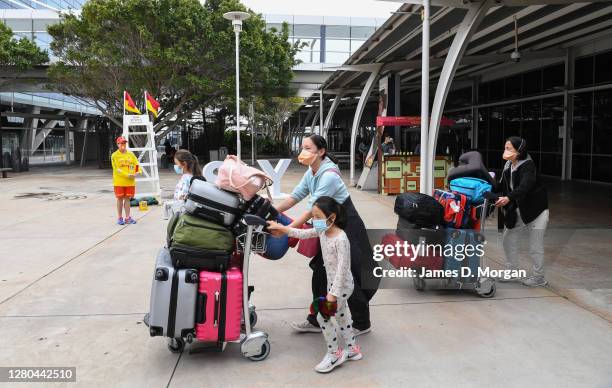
point(328, 221)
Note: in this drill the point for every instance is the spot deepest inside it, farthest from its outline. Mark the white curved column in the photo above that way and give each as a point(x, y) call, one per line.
point(330, 115)
point(472, 19)
point(363, 100)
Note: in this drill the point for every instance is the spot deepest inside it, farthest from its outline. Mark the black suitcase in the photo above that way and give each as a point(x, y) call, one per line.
point(415, 234)
point(420, 209)
point(201, 260)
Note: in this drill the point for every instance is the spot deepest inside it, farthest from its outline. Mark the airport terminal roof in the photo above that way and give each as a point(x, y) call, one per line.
point(544, 33)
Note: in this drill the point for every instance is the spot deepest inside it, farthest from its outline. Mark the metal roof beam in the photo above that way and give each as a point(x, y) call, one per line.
point(43, 116)
point(467, 3)
point(559, 28)
point(522, 29)
point(412, 34)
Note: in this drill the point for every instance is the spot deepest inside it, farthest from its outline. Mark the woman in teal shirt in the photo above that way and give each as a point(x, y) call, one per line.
point(323, 179)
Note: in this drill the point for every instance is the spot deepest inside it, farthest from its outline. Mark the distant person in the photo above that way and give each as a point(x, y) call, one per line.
point(186, 164)
point(329, 221)
point(167, 148)
point(363, 149)
point(524, 209)
point(125, 167)
point(388, 147)
point(417, 148)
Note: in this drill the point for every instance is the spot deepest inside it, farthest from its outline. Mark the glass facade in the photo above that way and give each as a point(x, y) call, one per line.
point(33, 29)
point(41, 4)
point(326, 39)
point(531, 105)
point(47, 100)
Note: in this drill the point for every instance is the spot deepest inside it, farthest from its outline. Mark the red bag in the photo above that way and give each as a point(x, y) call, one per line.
point(405, 261)
point(308, 247)
point(456, 208)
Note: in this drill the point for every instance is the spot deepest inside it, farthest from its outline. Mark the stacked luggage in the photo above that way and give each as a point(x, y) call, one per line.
point(200, 288)
point(452, 219)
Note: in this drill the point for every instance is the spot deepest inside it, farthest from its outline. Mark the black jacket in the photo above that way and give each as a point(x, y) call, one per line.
point(529, 195)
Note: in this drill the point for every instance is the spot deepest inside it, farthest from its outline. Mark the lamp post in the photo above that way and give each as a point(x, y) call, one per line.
point(237, 17)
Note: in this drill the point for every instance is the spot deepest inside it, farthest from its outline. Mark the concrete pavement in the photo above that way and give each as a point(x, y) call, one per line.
point(74, 287)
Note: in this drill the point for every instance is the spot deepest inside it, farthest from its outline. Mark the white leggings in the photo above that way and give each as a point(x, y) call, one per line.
point(343, 322)
point(535, 230)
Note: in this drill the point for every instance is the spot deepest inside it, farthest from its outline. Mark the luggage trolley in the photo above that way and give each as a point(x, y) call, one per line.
point(254, 345)
point(483, 286)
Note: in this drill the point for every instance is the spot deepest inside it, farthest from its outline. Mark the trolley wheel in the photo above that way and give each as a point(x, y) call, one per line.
point(189, 338)
point(253, 317)
point(490, 293)
point(265, 351)
point(176, 345)
point(419, 283)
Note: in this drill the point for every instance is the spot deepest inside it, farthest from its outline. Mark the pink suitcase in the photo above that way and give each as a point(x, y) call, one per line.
point(219, 306)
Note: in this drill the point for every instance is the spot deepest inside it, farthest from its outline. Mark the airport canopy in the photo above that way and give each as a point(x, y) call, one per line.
point(466, 39)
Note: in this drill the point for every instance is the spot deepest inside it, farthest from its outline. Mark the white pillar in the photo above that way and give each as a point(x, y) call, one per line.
point(67, 139)
point(476, 12)
point(321, 107)
point(330, 114)
point(314, 121)
point(425, 171)
point(363, 100)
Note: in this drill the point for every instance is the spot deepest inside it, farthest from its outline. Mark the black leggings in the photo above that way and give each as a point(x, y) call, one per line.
point(361, 268)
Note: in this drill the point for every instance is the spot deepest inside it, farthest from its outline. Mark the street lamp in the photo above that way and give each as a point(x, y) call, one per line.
point(237, 17)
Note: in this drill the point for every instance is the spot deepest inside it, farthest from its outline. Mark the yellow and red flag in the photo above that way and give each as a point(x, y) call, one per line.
point(152, 104)
point(128, 103)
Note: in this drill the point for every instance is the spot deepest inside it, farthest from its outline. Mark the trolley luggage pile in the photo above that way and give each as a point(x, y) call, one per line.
point(458, 222)
point(200, 290)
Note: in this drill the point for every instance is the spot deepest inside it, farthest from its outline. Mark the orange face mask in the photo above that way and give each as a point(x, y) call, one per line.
point(306, 157)
point(508, 155)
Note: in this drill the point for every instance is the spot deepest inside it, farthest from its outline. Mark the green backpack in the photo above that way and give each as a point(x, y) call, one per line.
point(187, 230)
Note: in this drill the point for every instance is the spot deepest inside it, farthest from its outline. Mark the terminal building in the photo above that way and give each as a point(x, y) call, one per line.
point(558, 96)
point(43, 124)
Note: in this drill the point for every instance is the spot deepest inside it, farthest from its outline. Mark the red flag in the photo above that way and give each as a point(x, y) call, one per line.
point(128, 103)
point(152, 104)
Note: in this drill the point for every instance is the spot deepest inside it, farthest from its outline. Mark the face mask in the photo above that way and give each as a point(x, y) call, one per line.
point(306, 157)
point(508, 154)
point(178, 169)
point(320, 225)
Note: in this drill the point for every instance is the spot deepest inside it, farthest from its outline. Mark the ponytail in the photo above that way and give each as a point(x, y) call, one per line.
point(320, 142)
point(190, 160)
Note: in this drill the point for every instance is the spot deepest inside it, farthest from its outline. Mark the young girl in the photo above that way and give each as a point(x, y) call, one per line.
point(329, 219)
point(185, 163)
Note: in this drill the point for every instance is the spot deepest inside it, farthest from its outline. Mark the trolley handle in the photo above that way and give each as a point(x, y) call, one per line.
point(253, 220)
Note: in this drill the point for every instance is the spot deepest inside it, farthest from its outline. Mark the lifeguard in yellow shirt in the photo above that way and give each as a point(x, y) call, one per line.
point(125, 167)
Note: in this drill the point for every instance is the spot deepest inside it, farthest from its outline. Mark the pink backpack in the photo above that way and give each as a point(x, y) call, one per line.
point(234, 175)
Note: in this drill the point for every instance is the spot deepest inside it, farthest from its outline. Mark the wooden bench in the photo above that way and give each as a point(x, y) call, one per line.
point(4, 172)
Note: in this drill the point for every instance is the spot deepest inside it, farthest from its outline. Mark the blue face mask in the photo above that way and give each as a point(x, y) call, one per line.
point(178, 169)
point(320, 225)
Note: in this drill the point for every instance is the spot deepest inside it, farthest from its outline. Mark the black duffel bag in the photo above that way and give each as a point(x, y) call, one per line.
point(420, 209)
point(414, 234)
